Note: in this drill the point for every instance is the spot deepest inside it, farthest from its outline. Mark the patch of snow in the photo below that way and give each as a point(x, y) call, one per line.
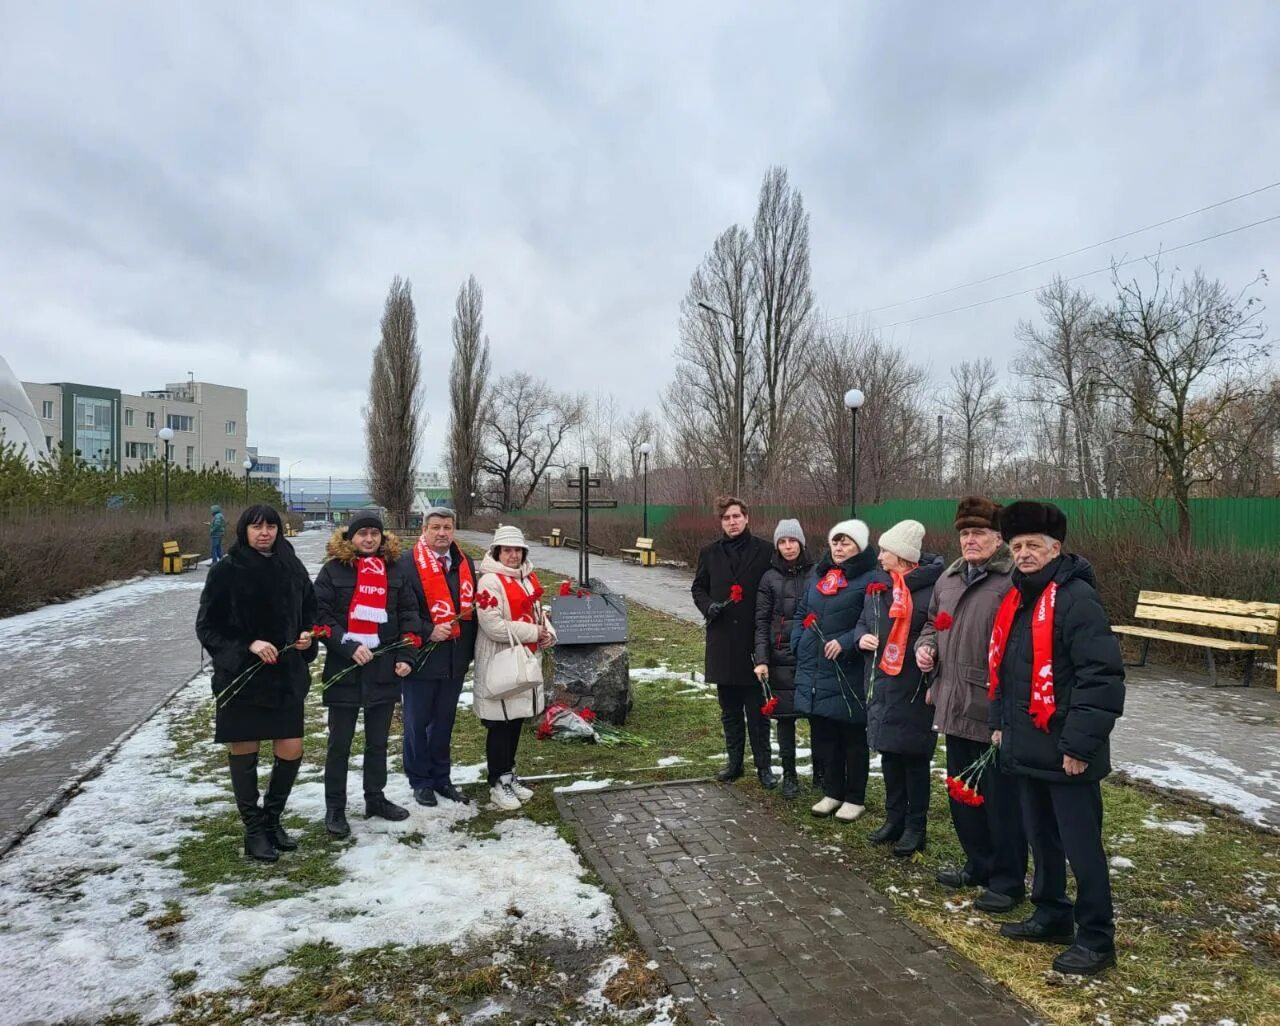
point(29, 728)
point(585, 785)
point(594, 997)
point(279, 975)
point(1120, 862)
point(71, 949)
point(671, 760)
point(1182, 827)
point(1176, 1016)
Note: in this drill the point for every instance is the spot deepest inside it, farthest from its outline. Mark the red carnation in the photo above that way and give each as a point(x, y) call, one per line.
point(565, 588)
point(877, 588)
point(487, 600)
point(414, 640)
point(810, 620)
point(735, 593)
point(321, 631)
point(943, 622)
point(587, 714)
point(769, 707)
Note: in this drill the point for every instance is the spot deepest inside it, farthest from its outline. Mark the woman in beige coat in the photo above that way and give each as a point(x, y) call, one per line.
point(508, 680)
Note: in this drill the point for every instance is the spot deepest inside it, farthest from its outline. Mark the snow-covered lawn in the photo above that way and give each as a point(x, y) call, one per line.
point(99, 917)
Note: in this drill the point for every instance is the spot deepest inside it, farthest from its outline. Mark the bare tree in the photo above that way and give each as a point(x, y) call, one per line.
point(1182, 356)
point(978, 410)
point(700, 402)
point(468, 388)
point(527, 424)
point(394, 417)
point(784, 314)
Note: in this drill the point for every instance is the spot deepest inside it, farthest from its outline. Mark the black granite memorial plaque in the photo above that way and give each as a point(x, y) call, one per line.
point(591, 619)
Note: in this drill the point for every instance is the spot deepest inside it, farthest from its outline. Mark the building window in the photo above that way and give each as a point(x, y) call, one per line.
point(179, 422)
point(151, 418)
point(46, 409)
point(93, 422)
point(128, 417)
point(140, 450)
point(48, 442)
point(191, 457)
point(231, 427)
point(231, 456)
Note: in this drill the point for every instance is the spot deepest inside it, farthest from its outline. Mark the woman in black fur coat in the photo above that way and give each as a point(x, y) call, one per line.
point(257, 609)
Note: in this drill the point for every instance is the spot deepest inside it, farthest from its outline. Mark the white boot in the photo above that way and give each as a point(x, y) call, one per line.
point(517, 785)
point(826, 807)
point(848, 812)
point(504, 795)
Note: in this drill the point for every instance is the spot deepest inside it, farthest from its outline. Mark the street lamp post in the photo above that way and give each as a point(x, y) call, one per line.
point(645, 449)
point(289, 487)
point(739, 356)
point(165, 434)
point(248, 466)
point(854, 400)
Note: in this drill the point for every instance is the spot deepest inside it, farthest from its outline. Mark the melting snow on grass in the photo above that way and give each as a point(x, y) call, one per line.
point(1184, 827)
point(71, 946)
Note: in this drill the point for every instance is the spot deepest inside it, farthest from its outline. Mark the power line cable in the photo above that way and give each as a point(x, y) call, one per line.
point(1074, 277)
point(1074, 252)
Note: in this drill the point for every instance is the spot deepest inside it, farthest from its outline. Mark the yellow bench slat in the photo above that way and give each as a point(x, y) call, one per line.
point(1235, 607)
point(1197, 618)
point(1189, 639)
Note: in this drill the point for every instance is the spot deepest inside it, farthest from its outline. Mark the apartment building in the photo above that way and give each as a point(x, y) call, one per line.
point(110, 428)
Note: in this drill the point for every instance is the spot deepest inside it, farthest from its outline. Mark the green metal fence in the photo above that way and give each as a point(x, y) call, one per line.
point(1215, 523)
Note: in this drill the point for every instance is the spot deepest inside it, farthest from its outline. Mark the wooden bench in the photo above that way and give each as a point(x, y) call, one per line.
point(553, 539)
point(1260, 620)
point(175, 561)
point(643, 553)
point(572, 543)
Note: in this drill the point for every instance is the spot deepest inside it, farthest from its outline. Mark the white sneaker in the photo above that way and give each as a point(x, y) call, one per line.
point(848, 812)
point(826, 807)
point(522, 792)
point(503, 795)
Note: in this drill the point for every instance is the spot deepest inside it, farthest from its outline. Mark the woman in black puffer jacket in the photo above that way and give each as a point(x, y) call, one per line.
point(780, 592)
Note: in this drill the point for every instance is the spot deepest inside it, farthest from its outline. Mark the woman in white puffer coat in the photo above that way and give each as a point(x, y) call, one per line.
point(514, 630)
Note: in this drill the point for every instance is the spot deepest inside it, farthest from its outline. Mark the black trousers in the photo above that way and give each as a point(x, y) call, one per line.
point(906, 789)
point(1064, 824)
point(342, 729)
point(500, 744)
point(742, 719)
point(992, 835)
point(787, 743)
point(429, 710)
point(846, 760)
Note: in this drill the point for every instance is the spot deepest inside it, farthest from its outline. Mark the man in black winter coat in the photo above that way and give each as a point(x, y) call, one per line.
point(1058, 680)
point(431, 691)
point(724, 590)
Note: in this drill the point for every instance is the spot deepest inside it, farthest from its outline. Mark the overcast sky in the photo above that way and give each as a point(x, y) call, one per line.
point(228, 189)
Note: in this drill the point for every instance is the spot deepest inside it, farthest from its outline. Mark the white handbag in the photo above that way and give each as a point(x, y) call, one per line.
point(513, 670)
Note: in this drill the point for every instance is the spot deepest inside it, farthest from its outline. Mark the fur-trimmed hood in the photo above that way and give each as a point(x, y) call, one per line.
point(341, 549)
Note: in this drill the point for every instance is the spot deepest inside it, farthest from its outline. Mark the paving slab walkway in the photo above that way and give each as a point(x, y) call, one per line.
point(751, 923)
point(1177, 731)
point(76, 676)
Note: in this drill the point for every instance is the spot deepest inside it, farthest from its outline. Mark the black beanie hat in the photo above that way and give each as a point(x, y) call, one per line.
point(1033, 518)
point(362, 520)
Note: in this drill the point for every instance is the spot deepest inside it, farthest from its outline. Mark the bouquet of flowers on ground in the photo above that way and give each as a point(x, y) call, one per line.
point(317, 632)
point(409, 640)
point(963, 787)
point(565, 724)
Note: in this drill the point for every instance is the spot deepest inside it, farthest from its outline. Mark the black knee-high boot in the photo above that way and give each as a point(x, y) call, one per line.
point(244, 782)
point(283, 773)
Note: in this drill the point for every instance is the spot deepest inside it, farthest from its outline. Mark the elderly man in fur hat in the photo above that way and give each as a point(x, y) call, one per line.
point(1056, 680)
point(953, 645)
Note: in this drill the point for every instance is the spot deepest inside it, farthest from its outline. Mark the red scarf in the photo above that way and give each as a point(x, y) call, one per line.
point(368, 602)
point(832, 581)
point(1042, 702)
point(900, 612)
point(523, 604)
point(435, 585)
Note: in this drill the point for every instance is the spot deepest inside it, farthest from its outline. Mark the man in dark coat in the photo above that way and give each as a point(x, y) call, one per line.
point(431, 691)
point(364, 598)
point(953, 645)
point(1058, 682)
point(724, 590)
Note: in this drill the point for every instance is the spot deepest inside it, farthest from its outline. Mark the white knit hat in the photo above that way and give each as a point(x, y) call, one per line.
point(904, 539)
point(509, 535)
point(854, 529)
point(788, 529)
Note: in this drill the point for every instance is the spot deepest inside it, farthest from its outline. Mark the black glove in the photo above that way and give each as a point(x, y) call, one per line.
point(715, 609)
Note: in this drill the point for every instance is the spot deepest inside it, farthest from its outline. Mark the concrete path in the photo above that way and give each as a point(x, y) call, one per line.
point(1177, 731)
point(752, 924)
point(76, 676)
